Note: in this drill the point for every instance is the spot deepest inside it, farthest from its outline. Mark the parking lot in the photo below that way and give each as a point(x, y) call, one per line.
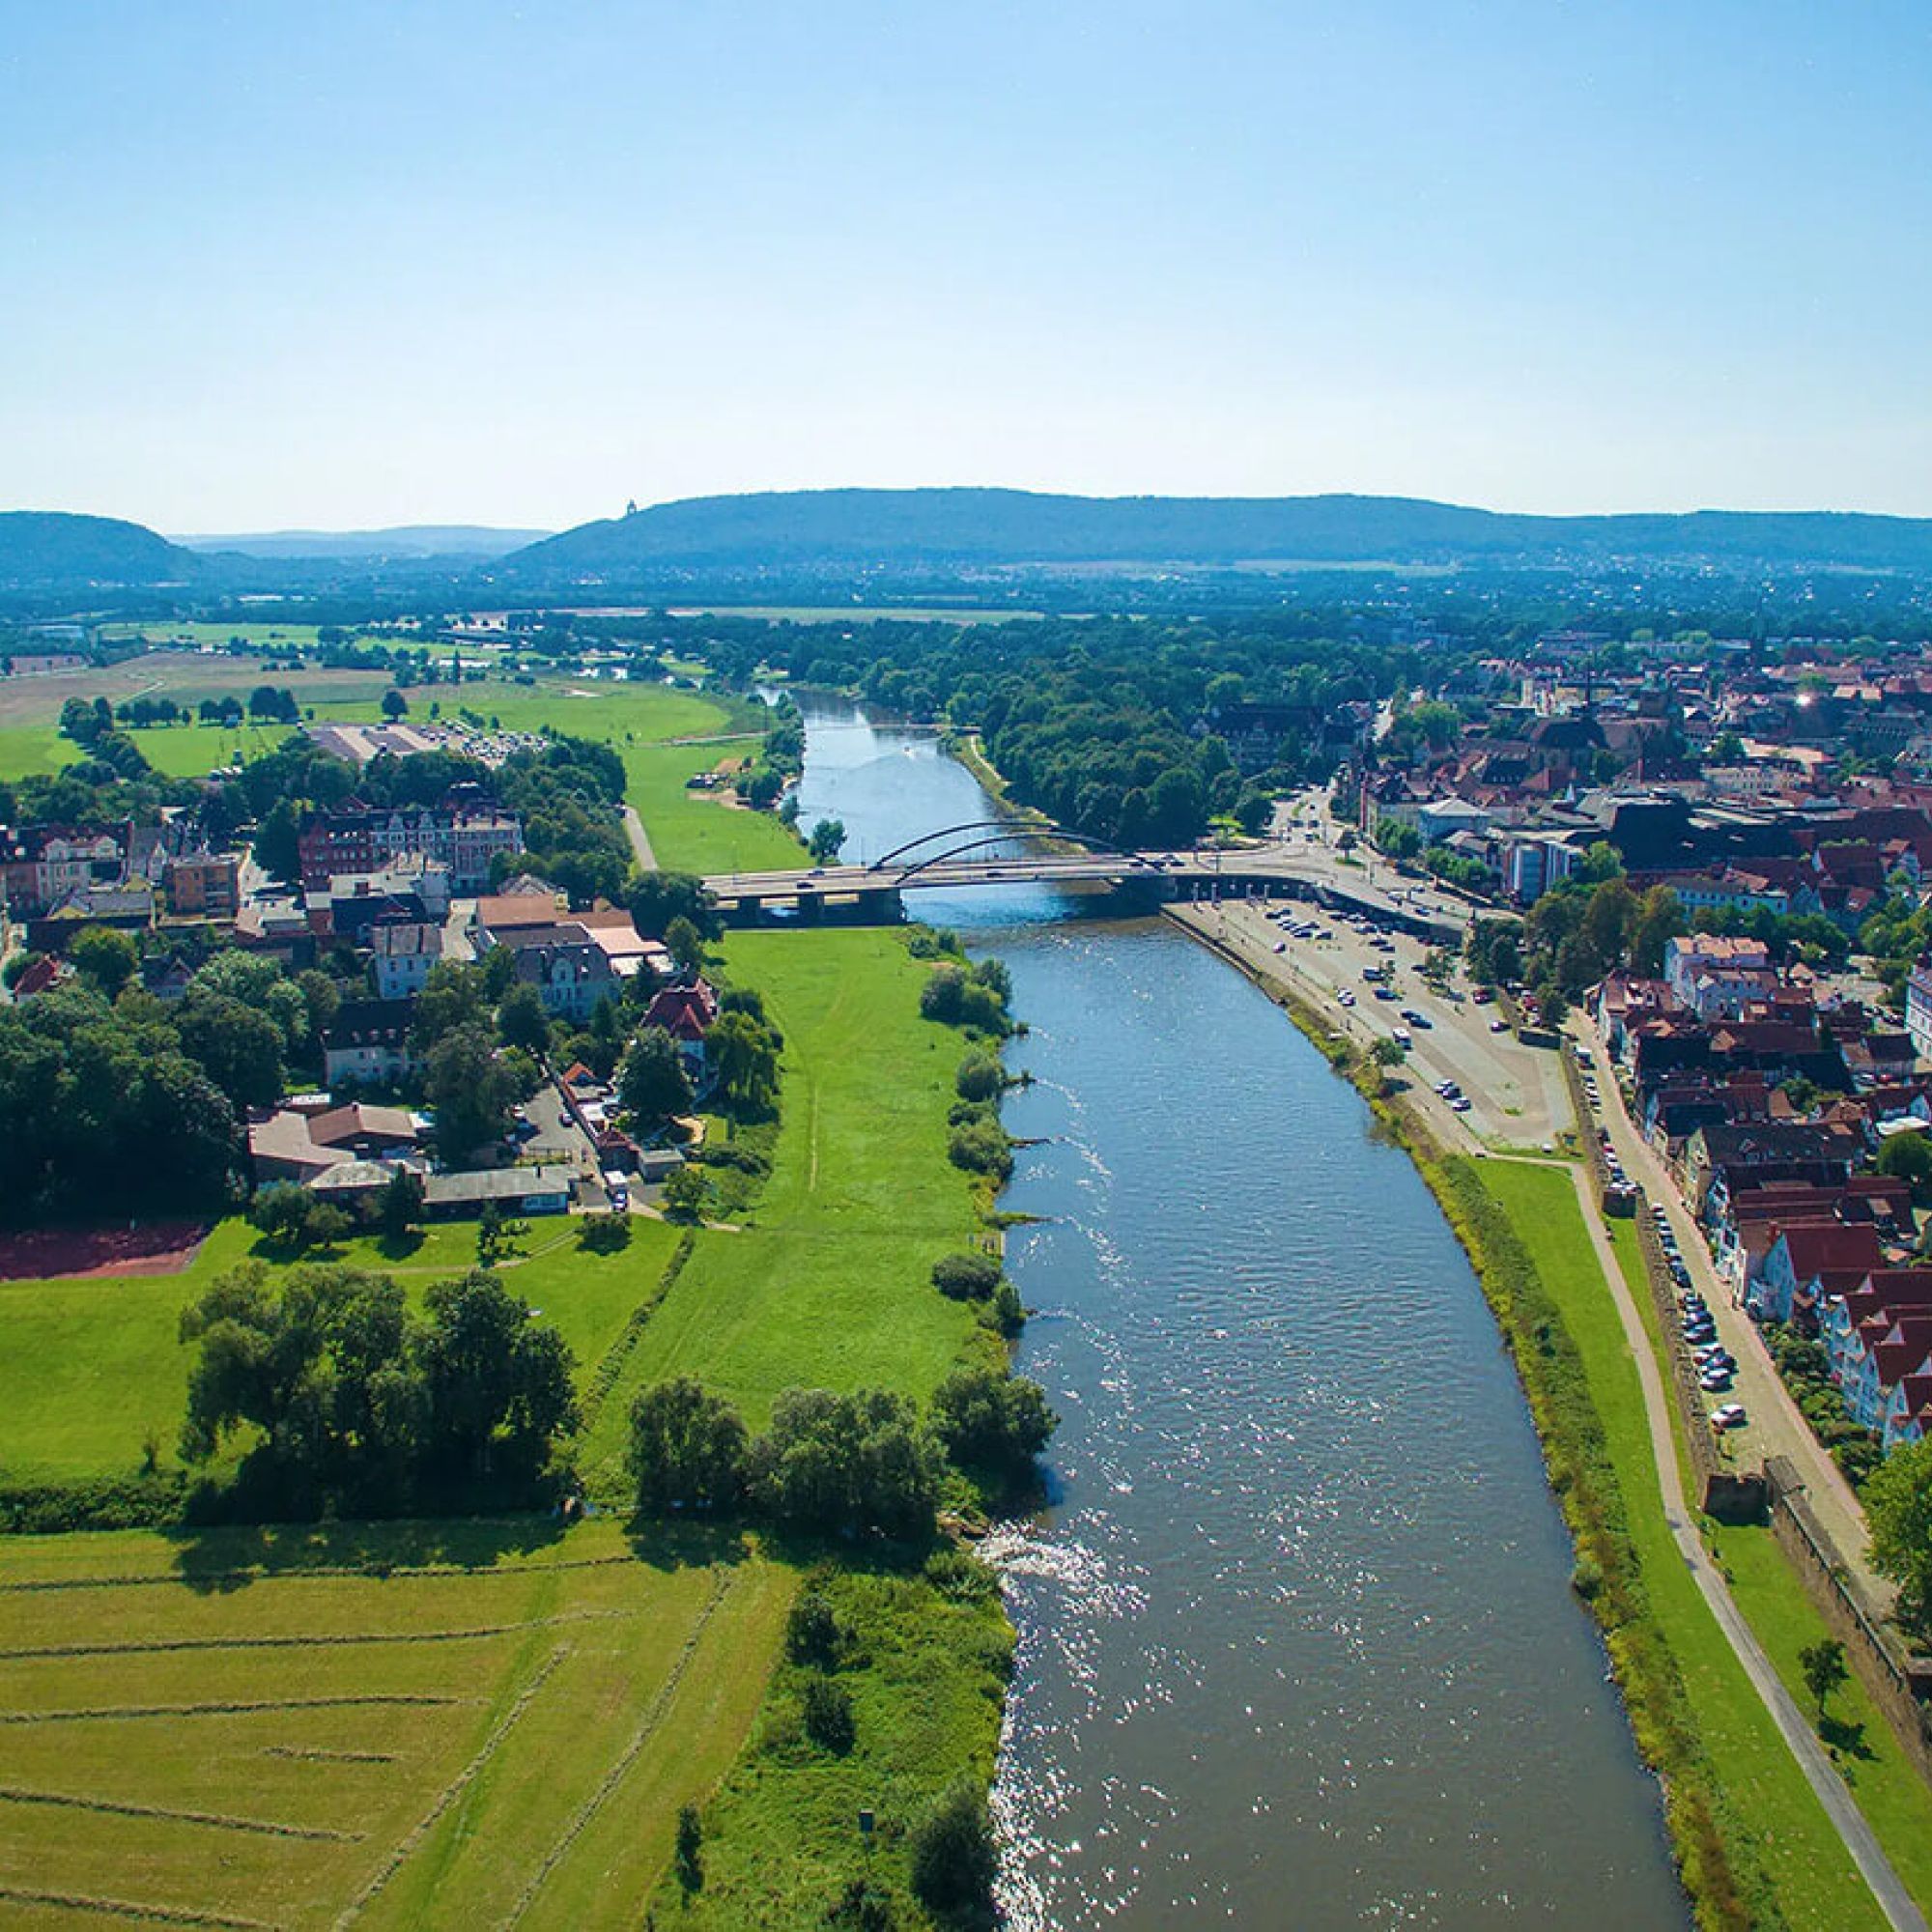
point(1515, 1094)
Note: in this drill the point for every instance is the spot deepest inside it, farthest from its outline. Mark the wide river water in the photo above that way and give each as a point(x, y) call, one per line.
point(1297, 1642)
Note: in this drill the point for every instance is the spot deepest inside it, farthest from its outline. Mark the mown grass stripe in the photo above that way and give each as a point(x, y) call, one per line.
point(452, 1791)
point(166, 1646)
point(114, 1712)
point(127, 1908)
point(267, 1827)
point(647, 1726)
point(380, 1573)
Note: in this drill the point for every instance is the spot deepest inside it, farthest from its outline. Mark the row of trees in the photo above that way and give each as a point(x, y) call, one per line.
point(863, 1463)
point(351, 1397)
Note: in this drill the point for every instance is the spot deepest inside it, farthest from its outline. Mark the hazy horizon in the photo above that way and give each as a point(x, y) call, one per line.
point(378, 265)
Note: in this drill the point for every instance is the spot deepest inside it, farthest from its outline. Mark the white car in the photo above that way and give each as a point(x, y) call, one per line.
point(1728, 1415)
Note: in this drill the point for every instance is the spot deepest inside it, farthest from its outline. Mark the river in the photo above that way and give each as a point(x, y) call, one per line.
point(1296, 1645)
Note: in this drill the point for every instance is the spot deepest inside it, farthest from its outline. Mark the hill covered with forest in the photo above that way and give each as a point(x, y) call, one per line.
point(50, 549)
point(988, 528)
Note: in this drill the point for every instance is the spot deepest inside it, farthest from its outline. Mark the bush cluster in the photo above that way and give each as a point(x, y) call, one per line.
point(863, 1463)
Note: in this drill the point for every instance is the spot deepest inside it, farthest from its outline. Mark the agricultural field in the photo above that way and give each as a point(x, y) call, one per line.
point(471, 1723)
point(827, 1284)
point(185, 676)
point(92, 1373)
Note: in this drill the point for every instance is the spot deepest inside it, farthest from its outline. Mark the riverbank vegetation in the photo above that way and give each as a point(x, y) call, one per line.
point(1117, 729)
point(1753, 1846)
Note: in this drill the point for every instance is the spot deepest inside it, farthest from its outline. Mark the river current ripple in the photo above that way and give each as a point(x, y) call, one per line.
point(1296, 1646)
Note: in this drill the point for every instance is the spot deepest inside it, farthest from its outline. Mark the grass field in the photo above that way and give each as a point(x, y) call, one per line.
point(1891, 1794)
point(459, 1724)
point(828, 1284)
point(689, 831)
point(616, 713)
point(91, 1371)
point(781, 1839)
point(1769, 1808)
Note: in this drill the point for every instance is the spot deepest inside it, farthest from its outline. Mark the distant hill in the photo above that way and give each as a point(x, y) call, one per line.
point(941, 528)
point(410, 541)
point(48, 550)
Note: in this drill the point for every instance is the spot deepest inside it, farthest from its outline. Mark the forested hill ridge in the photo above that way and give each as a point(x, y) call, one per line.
point(49, 550)
point(858, 540)
point(992, 527)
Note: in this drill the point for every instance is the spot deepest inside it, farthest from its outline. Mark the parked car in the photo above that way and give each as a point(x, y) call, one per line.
point(1499, 1026)
point(1728, 1415)
point(1460, 1103)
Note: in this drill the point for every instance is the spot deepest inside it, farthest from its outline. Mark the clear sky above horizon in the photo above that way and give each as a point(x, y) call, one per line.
point(264, 265)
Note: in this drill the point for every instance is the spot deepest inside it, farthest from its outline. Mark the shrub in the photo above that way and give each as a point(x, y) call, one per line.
point(982, 1146)
point(966, 1277)
point(861, 1906)
point(980, 1077)
point(953, 1859)
point(1006, 1313)
point(827, 1711)
point(988, 1420)
point(605, 1234)
point(814, 1634)
point(690, 1846)
point(960, 1575)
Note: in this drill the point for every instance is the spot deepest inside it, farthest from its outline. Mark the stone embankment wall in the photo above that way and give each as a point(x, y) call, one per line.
point(1899, 1684)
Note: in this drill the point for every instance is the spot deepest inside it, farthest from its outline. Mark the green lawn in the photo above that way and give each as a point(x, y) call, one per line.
point(1889, 1790)
point(29, 748)
point(828, 1283)
point(1769, 1806)
point(90, 1370)
point(689, 831)
point(615, 714)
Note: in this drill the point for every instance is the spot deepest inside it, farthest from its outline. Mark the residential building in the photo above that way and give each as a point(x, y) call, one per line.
point(403, 954)
point(1919, 1007)
point(368, 1042)
point(360, 840)
point(43, 864)
point(205, 886)
point(513, 1190)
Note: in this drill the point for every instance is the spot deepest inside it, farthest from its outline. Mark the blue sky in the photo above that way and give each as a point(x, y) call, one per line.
point(268, 265)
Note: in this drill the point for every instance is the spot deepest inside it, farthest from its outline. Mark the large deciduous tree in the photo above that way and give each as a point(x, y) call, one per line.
point(652, 1084)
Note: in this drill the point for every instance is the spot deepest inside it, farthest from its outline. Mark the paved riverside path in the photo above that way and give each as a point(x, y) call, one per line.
point(1778, 1427)
point(640, 845)
point(1849, 1822)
